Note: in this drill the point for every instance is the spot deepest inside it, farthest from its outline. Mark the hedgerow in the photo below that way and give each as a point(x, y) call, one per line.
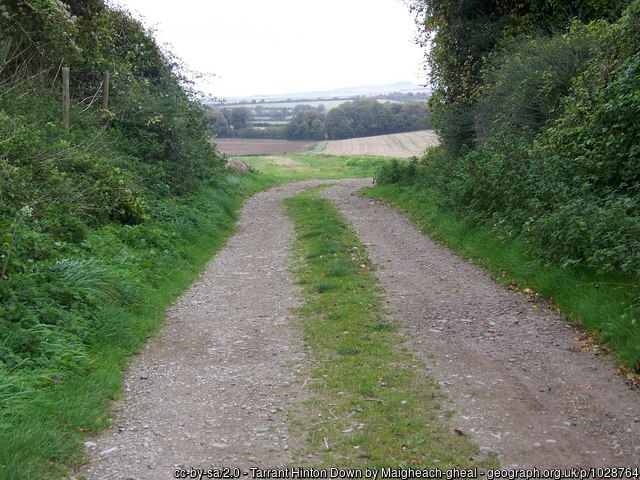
point(94, 221)
point(560, 169)
point(553, 159)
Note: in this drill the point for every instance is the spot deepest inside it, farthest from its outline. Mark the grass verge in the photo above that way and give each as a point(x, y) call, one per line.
point(606, 305)
point(122, 279)
point(373, 407)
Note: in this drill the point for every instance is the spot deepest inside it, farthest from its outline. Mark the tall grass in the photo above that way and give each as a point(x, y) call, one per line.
point(105, 283)
point(59, 388)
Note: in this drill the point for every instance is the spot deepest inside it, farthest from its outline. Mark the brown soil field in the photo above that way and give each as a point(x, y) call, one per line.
point(243, 146)
point(400, 145)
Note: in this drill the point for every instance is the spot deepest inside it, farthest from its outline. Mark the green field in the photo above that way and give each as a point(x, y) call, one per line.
point(303, 166)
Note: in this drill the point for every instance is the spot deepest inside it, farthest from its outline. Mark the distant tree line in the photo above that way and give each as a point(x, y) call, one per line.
point(359, 118)
point(367, 117)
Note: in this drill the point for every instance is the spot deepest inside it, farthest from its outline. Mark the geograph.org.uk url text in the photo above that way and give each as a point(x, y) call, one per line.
point(410, 473)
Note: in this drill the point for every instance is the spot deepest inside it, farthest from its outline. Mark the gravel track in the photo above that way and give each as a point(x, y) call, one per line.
point(520, 382)
point(214, 389)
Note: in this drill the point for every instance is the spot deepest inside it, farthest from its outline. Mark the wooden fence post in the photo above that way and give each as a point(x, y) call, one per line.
point(65, 98)
point(105, 91)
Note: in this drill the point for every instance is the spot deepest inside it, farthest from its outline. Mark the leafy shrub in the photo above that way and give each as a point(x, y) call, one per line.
point(397, 173)
point(35, 36)
point(588, 163)
point(602, 233)
point(561, 167)
point(528, 79)
point(425, 172)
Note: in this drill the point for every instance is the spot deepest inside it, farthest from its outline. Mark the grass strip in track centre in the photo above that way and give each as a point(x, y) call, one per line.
point(373, 406)
point(47, 413)
point(606, 305)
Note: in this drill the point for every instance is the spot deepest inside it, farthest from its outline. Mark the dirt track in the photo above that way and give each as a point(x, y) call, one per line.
point(215, 389)
point(520, 383)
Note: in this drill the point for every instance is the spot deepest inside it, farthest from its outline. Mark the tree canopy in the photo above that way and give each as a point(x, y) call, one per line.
point(359, 118)
point(464, 35)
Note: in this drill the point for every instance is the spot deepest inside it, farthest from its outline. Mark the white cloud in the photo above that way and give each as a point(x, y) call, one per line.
point(277, 46)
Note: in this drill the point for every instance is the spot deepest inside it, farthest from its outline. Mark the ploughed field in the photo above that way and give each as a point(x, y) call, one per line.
point(398, 145)
point(233, 147)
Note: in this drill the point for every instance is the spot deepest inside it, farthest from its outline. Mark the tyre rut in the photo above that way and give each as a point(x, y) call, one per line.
point(520, 383)
point(214, 389)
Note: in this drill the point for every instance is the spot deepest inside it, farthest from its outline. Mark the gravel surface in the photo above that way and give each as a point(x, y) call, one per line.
point(519, 380)
point(214, 389)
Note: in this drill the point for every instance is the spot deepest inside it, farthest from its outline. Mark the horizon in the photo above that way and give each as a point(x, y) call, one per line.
point(255, 49)
point(347, 92)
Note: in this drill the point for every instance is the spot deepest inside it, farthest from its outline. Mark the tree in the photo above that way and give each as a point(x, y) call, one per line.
point(464, 33)
point(85, 8)
point(219, 123)
point(307, 125)
point(240, 117)
point(339, 124)
point(413, 116)
point(278, 115)
point(366, 117)
point(301, 108)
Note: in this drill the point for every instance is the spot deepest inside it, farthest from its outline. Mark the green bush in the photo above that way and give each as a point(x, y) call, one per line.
point(464, 38)
point(397, 173)
point(95, 222)
point(588, 163)
point(560, 160)
point(527, 80)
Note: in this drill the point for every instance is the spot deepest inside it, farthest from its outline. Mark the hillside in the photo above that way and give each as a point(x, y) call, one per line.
point(101, 224)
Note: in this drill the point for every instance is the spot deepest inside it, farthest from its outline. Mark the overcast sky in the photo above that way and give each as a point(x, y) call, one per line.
point(256, 47)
